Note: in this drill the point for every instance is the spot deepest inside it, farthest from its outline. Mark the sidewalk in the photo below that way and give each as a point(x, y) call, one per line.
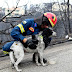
point(60, 53)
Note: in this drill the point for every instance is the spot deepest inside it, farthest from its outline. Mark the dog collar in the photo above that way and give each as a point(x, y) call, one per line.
point(41, 36)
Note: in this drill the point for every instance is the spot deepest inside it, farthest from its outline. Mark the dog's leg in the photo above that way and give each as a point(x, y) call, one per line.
point(12, 59)
point(20, 56)
point(36, 59)
point(41, 59)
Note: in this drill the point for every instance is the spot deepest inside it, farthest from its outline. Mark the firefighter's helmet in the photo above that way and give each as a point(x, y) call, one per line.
point(51, 17)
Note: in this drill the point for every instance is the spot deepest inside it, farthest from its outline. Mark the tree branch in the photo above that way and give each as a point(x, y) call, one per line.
point(10, 12)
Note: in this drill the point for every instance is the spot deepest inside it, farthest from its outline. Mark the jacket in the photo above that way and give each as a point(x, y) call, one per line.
point(27, 27)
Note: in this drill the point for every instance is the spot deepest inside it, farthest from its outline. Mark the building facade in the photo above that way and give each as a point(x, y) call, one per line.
point(16, 13)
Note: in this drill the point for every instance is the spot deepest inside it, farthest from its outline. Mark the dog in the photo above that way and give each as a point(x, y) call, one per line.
point(47, 34)
point(17, 51)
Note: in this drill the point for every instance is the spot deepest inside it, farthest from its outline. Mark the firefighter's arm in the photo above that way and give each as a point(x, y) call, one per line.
point(15, 33)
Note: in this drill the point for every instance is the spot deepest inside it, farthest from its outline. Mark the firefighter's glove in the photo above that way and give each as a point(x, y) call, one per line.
point(30, 44)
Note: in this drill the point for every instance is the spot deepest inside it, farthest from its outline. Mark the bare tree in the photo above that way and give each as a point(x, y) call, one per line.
point(10, 12)
point(7, 5)
point(61, 15)
point(65, 17)
point(68, 15)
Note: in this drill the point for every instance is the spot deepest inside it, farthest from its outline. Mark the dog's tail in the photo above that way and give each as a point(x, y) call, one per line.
point(51, 62)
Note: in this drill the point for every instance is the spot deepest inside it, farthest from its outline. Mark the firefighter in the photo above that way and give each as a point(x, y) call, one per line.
point(31, 27)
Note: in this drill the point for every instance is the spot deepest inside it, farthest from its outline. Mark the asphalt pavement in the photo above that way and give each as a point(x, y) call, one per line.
point(60, 53)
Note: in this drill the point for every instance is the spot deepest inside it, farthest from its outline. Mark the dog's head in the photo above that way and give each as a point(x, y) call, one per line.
point(47, 32)
point(46, 36)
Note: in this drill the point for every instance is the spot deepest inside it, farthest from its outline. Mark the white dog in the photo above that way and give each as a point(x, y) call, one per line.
point(18, 52)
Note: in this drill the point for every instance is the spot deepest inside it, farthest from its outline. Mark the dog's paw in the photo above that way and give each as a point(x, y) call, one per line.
point(18, 70)
point(38, 64)
point(44, 64)
point(12, 66)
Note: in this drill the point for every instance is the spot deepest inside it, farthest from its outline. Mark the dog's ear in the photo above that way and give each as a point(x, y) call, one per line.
point(46, 41)
point(46, 36)
point(16, 43)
